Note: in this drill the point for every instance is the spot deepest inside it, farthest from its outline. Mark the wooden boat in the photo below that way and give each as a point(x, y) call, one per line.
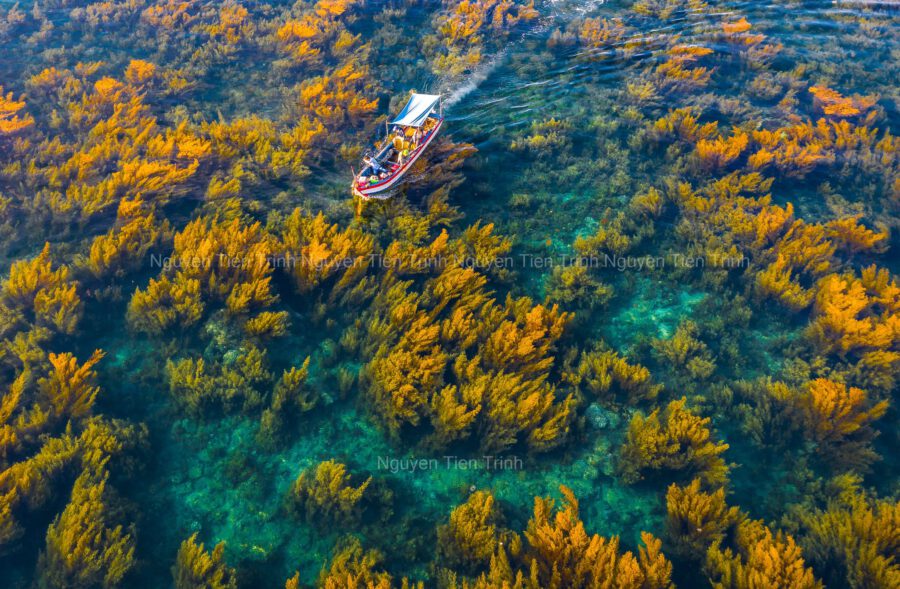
point(412, 131)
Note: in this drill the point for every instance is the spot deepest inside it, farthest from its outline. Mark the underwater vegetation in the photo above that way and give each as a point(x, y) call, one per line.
point(194, 567)
point(553, 551)
point(633, 321)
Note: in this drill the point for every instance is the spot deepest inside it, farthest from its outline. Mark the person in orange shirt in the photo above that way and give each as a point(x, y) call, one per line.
point(398, 141)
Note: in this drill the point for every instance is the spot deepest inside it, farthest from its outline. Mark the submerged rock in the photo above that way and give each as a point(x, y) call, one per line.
point(601, 418)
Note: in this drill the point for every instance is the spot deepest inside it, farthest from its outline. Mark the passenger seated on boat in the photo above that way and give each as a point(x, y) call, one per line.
point(398, 141)
point(374, 164)
point(402, 156)
point(373, 179)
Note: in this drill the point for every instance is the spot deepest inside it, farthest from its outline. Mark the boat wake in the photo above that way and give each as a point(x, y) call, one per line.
point(471, 82)
point(581, 7)
point(475, 78)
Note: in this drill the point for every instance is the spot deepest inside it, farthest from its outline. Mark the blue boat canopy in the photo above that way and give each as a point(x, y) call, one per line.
point(417, 110)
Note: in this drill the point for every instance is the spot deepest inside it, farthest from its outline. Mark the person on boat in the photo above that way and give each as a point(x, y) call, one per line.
point(374, 164)
point(373, 179)
point(398, 141)
point(404, 153)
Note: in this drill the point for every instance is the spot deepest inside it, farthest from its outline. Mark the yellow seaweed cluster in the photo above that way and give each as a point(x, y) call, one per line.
point(12, 120)
point(759, 558)
point(555, 551)
point(353, 566)
point(255, 148)
point(195, 567)
point(337, 99)
point(464, 27)
point(605, 376)
point(753, 48)
point(48, 438)
point(832, 103)
point(323, 257)
point(214, 262)
point(736, 228)
point(138, 231)
point(857, 313)
point(468, 540)
point(673, 439)
point(547, 137)
point(326, 494)
point(854, 540)
point(681, 71)
point(243, 381)
point(834, 412)
point(120, 149)
point(202, 388)
point(696, 519)
point(316, 33)
point(453, 360)
point(39, 298)
point(686, 352)
point(733, 551)
point(85, 547)
point(838, 421)
point(601, 38)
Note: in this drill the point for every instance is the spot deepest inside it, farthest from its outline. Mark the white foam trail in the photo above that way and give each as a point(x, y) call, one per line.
point(474, 79)
point(579, 7)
